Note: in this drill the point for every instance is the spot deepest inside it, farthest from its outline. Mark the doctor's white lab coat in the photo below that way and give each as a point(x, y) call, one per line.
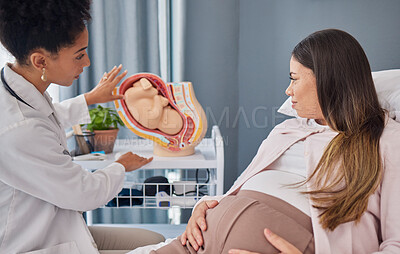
point(41, 190)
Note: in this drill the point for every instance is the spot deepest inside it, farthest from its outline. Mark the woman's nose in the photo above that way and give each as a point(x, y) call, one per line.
point(289, 90)
point(87, 63)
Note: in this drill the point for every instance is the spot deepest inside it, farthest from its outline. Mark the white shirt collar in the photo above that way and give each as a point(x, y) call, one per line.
point(27, 91)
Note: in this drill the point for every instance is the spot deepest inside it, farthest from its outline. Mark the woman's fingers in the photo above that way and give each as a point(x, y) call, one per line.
point(111, 76)
point(183, 238)
point(112, 70)
point(193, 242)
point(197, 224)
point(201, 223)
point(113, 73)
point(203, 207)
point(120, 77)
point(193, 233)
point(280, 243)
point(132, 161)
point(211, 203)
point(103, 92)
point(198, 236)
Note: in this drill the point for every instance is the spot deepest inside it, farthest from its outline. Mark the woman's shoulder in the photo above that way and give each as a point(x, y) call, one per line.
point(390, 138)
point(391, 128)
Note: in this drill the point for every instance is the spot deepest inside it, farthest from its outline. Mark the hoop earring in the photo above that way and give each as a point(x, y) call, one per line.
point(44, 76)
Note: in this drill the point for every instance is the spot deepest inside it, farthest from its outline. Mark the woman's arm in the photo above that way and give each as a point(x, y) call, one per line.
point(72, 111)
point(40, 168)
point(390, 187)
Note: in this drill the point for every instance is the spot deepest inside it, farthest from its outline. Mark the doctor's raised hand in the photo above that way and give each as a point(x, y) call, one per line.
point(103, 91)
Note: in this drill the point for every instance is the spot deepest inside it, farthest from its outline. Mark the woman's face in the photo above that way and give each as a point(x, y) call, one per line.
point(303, 90)
point(66, 66)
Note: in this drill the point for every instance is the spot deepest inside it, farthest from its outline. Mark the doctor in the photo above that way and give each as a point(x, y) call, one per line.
point(41, 190)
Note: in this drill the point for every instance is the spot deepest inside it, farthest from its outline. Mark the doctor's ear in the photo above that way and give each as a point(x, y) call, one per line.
point(38, 59)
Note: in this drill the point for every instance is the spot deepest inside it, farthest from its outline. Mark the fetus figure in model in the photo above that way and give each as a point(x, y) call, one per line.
point(151, 109)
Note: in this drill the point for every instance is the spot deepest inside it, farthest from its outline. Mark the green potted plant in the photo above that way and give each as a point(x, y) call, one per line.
point(105, 122)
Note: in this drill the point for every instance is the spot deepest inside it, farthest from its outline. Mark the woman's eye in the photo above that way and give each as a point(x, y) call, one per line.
point(292, 78)
point(80, 56)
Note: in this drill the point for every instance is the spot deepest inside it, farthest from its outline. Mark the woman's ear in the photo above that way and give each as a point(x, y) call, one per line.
point(38, 59)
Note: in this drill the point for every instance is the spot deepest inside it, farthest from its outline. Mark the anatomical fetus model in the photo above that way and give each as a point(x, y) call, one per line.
point(168, 114)
point(151, 109)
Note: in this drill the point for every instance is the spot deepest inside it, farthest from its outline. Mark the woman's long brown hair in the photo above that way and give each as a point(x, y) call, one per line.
point(350, 168)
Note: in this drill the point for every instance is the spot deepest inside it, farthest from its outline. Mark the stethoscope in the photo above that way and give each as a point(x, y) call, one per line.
point(8, 88)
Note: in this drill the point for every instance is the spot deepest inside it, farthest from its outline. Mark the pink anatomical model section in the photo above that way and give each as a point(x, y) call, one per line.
point(166, 113)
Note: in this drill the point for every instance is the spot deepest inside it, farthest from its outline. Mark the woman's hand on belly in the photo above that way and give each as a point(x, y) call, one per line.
point(278, 242)
point(197, 223)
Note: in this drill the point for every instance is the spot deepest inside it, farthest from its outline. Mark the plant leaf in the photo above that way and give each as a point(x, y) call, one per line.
point(104, 118)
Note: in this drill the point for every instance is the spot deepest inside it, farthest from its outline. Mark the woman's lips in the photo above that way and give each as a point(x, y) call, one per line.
point(294, 103)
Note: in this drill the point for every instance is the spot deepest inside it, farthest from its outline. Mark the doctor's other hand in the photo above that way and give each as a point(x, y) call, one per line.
point(278, 242)
point(197, 223)
point(103, 91)
point(132, 161)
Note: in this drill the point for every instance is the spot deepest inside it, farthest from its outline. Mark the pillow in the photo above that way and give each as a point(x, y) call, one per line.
point(387, 85)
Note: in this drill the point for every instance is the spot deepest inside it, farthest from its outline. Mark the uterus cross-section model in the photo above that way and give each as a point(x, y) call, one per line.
point(166, 113)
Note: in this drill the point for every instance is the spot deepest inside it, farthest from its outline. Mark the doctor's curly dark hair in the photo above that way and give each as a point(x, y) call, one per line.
point(49, 24)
